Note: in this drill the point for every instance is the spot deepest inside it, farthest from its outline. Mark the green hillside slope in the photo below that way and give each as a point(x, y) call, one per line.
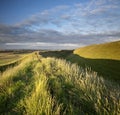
point(102, 58)
point(102, 51)
point(51, 86)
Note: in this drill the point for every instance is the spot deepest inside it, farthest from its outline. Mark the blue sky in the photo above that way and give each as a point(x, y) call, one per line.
point(22, 9)
point(58, 24)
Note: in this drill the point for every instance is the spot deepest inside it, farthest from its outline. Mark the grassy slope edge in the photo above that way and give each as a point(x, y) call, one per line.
point(102, 58)
point(50, 86)
point(101, 51)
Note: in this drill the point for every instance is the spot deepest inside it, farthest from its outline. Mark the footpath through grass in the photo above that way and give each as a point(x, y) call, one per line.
point(50, 86)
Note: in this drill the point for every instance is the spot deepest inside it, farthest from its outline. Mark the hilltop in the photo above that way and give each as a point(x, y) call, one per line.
point(100, 51)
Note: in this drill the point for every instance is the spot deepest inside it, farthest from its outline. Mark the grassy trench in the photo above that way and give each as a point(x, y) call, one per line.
point(77, 91)
point(40, 101)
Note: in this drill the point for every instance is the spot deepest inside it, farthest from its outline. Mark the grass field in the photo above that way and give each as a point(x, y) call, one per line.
point(102, 58)
point(42, 85)
point(101, 51)
point(59, 83)
point(10, 57)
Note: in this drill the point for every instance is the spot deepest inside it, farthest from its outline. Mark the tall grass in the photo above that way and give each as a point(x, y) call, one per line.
point(40, 101)
point(14, 85)
point(49, 86)
point(80, 90)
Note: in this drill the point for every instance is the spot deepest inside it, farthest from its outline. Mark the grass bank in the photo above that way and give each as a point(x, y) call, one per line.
point(50, 86)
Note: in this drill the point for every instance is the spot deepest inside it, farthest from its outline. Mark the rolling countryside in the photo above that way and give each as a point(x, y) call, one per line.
point(59, 82)
point(59, 57)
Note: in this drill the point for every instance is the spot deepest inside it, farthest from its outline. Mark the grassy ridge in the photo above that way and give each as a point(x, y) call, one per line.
point(50, 86)
point(107, 68)
point(102, 58)
point(102, 51)
point(77, 89)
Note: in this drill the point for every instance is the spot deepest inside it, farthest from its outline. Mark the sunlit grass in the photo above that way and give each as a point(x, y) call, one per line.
point(7, 58)
point(100, 51)
point(79, 89)
point(14, 84)
point(50, 86)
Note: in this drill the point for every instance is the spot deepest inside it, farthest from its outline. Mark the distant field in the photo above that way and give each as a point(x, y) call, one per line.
point(11, 56)
point(60, 82)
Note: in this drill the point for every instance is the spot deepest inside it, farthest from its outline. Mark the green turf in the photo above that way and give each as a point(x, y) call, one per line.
point(102, 58)
point(101, 51)
point(109, 69)
point(50, 86)
point(39, 85)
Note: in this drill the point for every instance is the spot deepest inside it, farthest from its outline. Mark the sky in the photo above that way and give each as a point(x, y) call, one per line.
point(58, 24)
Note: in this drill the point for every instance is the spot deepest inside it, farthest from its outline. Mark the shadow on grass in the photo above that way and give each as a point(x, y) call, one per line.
point(57, 54)
point(109, 69)
point(5, 67)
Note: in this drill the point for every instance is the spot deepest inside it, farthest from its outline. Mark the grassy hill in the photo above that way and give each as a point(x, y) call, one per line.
point(101, 51)
point(41, 85)
point(49, 86)
point(102, 58)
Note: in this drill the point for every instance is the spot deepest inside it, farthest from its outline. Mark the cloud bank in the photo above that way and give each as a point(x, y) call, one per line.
point(65, 27)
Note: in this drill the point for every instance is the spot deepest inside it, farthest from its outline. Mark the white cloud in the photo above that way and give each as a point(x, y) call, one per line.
point(44, 45)
point(65, 17)
point(95, 21)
